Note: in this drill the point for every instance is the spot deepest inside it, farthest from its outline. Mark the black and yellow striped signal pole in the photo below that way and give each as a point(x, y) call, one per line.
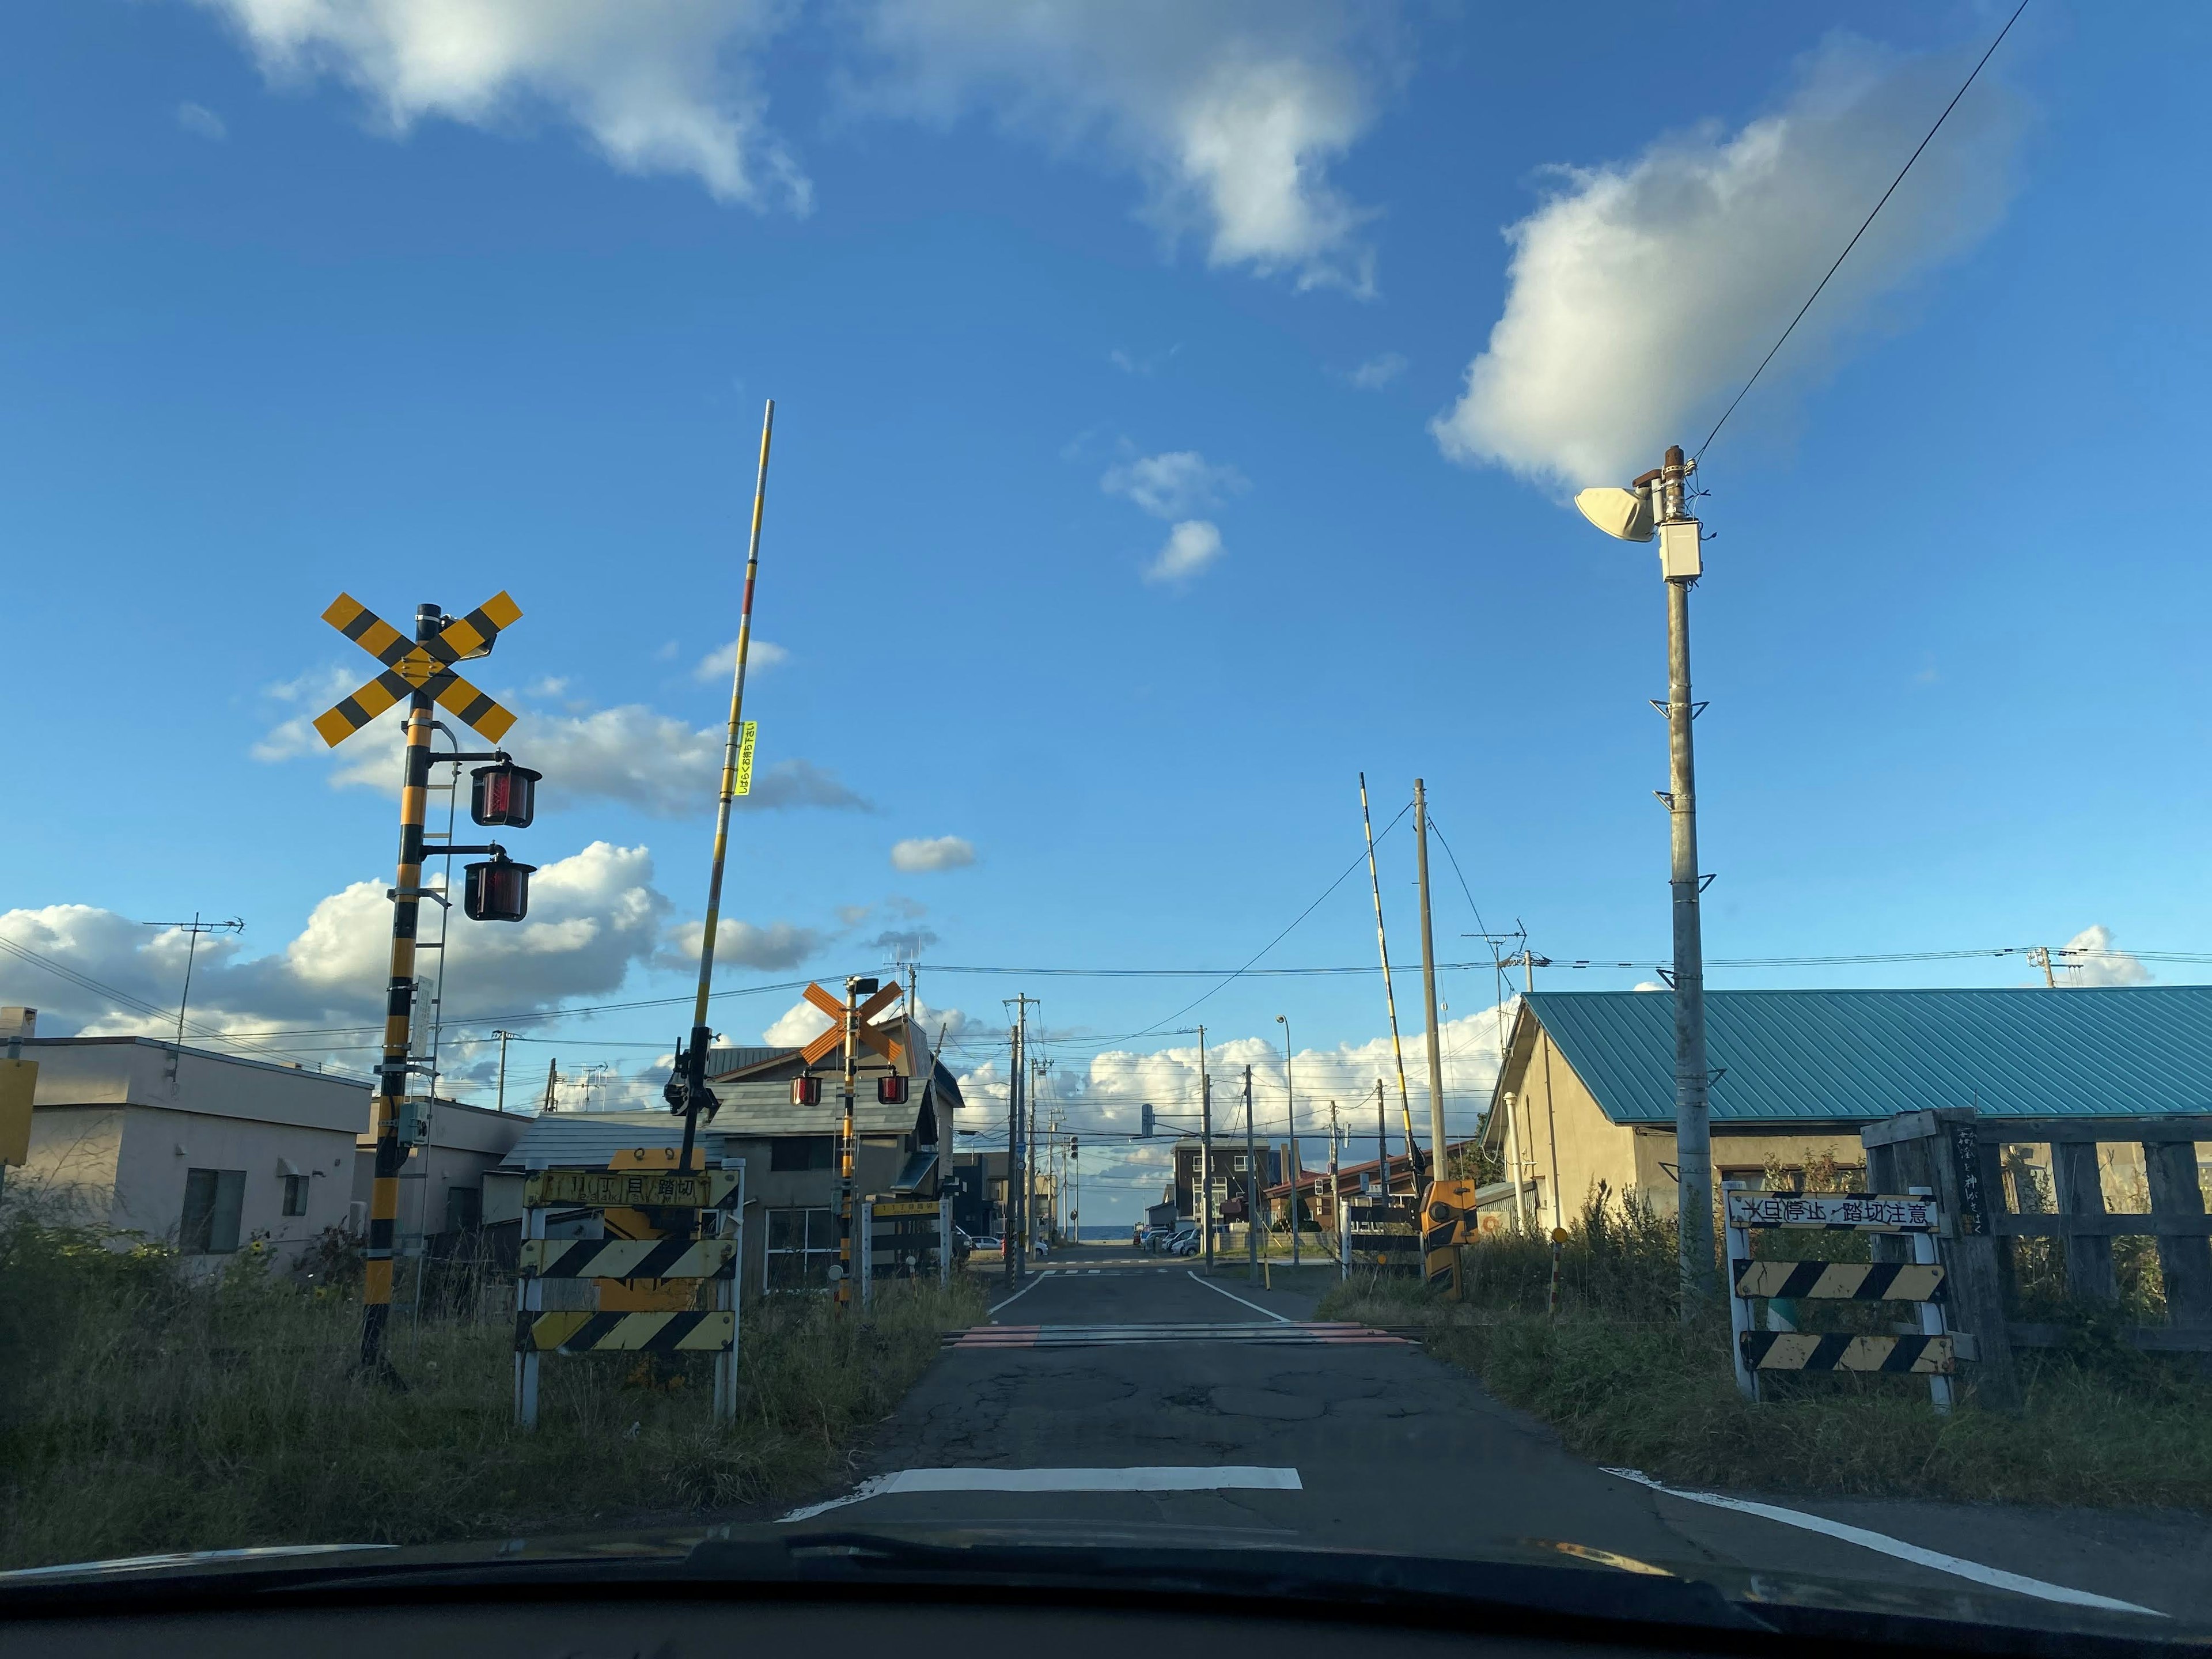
point(855, 990)
point(421, 671)
point(398, 1014)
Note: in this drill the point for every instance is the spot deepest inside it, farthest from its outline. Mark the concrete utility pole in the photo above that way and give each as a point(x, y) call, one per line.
point(503, 1037)
point(1389, 994)
point(1251, 1183)
point(1693, 1147)
point(1382, 1140)
point(1016, 1235)
point(1429, 986)
point(1336, 1192)
point(855, 990)
point(1290, 1106)
point(1205, 1148)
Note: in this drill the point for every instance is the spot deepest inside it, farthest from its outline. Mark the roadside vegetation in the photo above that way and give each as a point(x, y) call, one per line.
point(142, 1410)
point(1624, 1382)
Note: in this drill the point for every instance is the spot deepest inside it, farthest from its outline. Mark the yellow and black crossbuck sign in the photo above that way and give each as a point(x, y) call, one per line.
point(1810, 1351)
point(631, 1333)
point(411, 666)
point(1841, 1281)
point(628, 1258)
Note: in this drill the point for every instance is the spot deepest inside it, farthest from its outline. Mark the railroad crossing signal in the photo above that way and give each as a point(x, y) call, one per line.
point(881, 1041)
point(411, 666)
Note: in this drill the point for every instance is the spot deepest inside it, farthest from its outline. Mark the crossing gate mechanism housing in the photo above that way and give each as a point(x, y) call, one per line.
point(646, 1284)
point(1913, 1220)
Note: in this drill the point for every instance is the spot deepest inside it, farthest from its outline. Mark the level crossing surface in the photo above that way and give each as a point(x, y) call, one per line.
point(1125, 1398)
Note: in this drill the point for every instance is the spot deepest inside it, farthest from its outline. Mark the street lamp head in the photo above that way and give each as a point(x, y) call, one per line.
point(1625, 514)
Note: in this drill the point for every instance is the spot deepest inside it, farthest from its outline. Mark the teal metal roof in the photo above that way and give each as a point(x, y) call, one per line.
point(1859, 1056)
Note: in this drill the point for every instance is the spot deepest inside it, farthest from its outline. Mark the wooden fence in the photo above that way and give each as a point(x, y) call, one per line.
point(1960, 1153)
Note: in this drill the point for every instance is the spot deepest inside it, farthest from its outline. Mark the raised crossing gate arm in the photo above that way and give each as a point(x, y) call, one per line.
point(659, 1279)
point(1914, 1220)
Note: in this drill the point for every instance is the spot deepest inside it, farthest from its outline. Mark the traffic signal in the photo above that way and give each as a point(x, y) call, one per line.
point(1073, 1147)
point(1145, 1122)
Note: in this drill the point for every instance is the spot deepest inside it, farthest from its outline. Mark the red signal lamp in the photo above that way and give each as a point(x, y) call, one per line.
point(806, 1091)
point(504, 794)
point(498, 890)
point(891, 1091)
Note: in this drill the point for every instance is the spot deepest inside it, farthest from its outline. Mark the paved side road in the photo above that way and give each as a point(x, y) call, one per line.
point(1391, 1451)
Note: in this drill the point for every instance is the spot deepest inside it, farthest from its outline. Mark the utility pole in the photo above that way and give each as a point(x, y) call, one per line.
point(687, 1093)
point(1336, 1189)
point(1205, 1148)
point(1389, 994)
point(2039, 956)
point(1251, 1183)
point(1291, 1105)
point(1693, 1149)
point(552, 1076)
point(1382, 1139)
point(855, 990)
point(1428, 985)
point(1017, 1207)
point(503, 1037)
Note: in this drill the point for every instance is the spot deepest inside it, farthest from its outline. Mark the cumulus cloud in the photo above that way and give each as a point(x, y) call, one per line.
point(631, 754)
point(1642, 293)
point(1172, 486)
point(2095, 962)
point(659, 86)
point(1230, 110)
point(918, 853)
point(740, 944)
point(1190, 547)
point(717, 667)
point(593, 916)
point(1377, 371)
point(904, 944)
point(201, 121)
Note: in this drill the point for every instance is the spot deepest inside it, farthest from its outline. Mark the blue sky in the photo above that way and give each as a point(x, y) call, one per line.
point(318, 294)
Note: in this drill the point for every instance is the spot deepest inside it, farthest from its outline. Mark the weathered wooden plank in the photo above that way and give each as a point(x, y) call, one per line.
point(2125, 1224)
point(2082, 1200)
point(1972, 1273)
point(2185, 1258)
point(2152, 1338)
point(2164, 1127)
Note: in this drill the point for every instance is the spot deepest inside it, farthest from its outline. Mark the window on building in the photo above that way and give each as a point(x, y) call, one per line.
point(790, 1153)
point(213, 1201)
point(295, 1194)
point(802, 1245)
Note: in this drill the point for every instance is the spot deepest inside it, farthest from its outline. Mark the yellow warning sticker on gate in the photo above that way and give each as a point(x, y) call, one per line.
point(745, 784)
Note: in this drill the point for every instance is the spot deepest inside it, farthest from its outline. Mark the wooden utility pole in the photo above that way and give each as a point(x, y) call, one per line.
point(1429, 986)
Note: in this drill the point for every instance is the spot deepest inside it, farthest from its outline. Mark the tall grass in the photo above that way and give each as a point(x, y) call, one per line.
point(1624, 1381)
point(141, 1410)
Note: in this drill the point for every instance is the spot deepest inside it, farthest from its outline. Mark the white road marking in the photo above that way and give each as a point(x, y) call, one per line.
point(1882, 1542)
point(1233, 1478)
point(1023, 1291)
point(1282, 1319)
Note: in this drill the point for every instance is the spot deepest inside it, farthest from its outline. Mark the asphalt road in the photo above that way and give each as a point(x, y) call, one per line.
point(1392, 1451)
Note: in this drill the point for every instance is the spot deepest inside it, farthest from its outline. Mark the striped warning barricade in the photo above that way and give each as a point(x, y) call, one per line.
point(1911, 1219)
point(628, 1258)
point(1841, 1281)
point(705, 1331)
point(1836, 1350)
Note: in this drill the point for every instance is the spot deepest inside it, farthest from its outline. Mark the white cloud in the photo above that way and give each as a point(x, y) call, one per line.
point(1642, 294)
point(659, 86)
point(933, 852)
point(1190, 547)
point(201, 121)
point(1377, 371)
point(2096, 963)
point(740, 944)
point(1230, 110)
point(1174, 485)
point(717, 667)
point(630, 754)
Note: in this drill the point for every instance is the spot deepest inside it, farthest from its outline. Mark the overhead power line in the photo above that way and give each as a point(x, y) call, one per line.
point(1862, 231)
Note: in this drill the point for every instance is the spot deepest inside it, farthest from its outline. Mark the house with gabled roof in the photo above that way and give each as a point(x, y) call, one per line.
point(1586, 1093)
